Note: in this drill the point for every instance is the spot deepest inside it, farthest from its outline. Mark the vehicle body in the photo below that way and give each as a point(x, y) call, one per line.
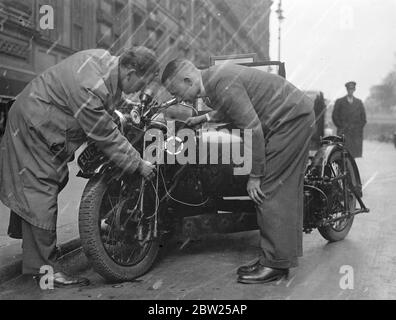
point(124, 220)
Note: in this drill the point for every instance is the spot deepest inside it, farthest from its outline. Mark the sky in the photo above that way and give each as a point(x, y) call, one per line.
point(326, 43)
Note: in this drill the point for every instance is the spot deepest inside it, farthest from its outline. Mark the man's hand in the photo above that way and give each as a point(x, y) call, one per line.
point(146, 169)
point(195, 121)
point(254, 190)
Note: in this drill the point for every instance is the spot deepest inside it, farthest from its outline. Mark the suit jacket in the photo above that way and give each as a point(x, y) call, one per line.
point(252, 99)
point(50, 119)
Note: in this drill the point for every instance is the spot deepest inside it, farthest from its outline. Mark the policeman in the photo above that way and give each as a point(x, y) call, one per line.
point(349, 116)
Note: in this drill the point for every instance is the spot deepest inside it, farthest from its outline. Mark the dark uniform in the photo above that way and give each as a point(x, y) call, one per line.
point(282, 121)
point(52, 117)
point(350, 119)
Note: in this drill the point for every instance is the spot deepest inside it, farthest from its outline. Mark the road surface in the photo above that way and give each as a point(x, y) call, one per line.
point(206, 269)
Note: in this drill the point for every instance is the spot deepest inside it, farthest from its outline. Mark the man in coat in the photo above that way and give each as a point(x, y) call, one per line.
point(320, 112)
point(282, 121)
point(349, 116)
point(50, 119)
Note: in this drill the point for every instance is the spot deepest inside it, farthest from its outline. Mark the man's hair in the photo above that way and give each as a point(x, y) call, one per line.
point(173, 67)
point(142, 59)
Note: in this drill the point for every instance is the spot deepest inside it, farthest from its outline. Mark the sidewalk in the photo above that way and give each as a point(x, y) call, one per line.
point(67, 229)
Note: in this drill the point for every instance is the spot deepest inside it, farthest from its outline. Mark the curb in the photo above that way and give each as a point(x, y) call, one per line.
point(71, 257)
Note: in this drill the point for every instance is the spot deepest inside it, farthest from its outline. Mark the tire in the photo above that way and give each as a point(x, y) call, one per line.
point(332, 233)
point(92, 243)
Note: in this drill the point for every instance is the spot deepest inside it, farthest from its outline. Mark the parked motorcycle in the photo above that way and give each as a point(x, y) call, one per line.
point(124, 219)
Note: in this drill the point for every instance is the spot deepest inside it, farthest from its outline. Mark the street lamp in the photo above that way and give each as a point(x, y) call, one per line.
point(281, 17)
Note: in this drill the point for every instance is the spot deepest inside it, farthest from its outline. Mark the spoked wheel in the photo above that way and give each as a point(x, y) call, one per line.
point(117, 227)
point(339, 222)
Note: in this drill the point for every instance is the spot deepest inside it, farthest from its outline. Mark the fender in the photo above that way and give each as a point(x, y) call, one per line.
point(329, 146)
point(100, 170)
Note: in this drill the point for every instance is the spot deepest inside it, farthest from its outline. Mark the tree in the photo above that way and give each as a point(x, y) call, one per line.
point(383, 96)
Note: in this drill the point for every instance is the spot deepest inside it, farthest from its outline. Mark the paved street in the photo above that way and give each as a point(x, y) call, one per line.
point(206, 269)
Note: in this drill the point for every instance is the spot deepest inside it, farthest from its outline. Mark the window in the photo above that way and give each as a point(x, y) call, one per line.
point(185, 13)
point(173, 6)
point(77, 39)
point(137, 21)
point(77, 10)
point(159, 33)
point(120, 18)
point(183, 23)
point(104, 36)
point(118, 8)
point(106, 7)
point(138, 30)
point(77, 25)
point(105, 30)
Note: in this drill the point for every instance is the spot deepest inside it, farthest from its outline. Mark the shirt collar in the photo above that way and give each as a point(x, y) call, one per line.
point(350, 99)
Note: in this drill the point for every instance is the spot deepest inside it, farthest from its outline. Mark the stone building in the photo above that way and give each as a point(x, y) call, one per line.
point(254, 16)
point(195, 29)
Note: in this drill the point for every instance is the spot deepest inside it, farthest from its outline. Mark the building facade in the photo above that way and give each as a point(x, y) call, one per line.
point(195, 29)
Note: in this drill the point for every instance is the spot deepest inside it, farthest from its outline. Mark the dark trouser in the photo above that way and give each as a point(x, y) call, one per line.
point(280, 216)
point(39, 249)
point(39, 245)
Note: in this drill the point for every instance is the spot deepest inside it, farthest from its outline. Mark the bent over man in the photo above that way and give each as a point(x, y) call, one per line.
point(52, 117)
point(282, 121)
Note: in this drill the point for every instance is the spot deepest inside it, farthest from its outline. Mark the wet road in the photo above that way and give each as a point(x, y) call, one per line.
point(206, 269)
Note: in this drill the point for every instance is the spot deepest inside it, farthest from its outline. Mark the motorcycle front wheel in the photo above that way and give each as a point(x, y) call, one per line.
point(116, 224)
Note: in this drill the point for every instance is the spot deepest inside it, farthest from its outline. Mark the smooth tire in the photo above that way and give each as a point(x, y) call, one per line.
point(90, 227)
point(339, 230)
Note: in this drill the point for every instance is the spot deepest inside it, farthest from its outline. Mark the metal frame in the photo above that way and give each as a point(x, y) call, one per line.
point(234, 58)
point(251, 56)
point(281, 65)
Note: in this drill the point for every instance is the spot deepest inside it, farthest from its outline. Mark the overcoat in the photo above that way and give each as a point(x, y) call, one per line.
point(350, 119)
point(282, 121)
point(50, 119)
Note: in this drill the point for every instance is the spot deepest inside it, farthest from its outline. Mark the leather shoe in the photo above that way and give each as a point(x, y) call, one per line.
point(61, 280)
point(263, 275)
point(248, 268)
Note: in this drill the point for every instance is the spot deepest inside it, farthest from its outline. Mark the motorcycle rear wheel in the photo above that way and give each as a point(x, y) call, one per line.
point(338, 231)
point(97, 216)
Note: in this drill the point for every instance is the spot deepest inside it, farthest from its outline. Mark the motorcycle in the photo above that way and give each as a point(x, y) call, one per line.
point(124, 220)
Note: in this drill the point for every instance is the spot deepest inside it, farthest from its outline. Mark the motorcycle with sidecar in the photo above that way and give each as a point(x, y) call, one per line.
point(124, 220)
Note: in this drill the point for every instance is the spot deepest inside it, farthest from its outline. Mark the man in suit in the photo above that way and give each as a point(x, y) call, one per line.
point(50, 119)
point(282, 119)
point(349, 116)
